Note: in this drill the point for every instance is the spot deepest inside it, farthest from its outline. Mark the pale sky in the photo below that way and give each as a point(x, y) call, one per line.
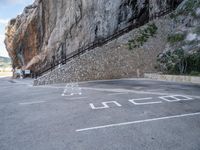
point(9, 9)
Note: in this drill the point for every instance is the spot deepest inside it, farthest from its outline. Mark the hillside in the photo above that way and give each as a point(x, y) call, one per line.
point(5, 62)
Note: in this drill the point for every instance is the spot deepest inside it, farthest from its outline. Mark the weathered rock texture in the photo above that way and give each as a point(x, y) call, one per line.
point(34, 37)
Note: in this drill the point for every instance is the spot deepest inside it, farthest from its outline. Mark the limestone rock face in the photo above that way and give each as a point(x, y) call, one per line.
point(34, 38)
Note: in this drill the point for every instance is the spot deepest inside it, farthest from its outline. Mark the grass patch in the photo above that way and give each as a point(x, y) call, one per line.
point(175, 38)
point(197, 30)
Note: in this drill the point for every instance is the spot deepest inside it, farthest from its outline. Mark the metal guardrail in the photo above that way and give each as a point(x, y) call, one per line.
point(100, 42)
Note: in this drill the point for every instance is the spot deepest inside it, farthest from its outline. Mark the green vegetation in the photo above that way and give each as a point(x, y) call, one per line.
point(193, 63)
point(180, 62)
point(5, 62)
point(175, 38)
point(197, 30)
point(143, 36)
point(195, 73)
point(189, 5)
point(173, 15)
point(176, 60)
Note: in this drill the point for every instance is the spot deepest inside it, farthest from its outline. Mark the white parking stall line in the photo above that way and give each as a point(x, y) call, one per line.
point(30, 103)
point(134, 101)
point(137, 122)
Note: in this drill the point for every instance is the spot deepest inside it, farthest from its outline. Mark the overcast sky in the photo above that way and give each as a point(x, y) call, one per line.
point(9, 9)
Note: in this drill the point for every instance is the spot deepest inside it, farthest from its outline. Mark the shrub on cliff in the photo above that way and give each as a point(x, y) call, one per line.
point(143, 36)
point(175, 38)
point(179, 62)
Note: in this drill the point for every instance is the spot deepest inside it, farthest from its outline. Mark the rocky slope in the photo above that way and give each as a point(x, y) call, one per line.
point(34, 38)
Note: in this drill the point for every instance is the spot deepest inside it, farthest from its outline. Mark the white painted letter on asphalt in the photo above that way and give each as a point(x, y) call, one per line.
point(175, 98)
point(105, 105)
point(134, 101)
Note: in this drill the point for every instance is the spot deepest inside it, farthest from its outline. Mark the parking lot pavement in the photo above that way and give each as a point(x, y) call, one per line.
point(100, 115)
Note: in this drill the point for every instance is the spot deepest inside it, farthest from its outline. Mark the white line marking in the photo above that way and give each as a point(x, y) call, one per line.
point(122, 90)
point(169, 98)
point(74, 98)
point(139, 99)
point(53, 87)
point(175, 98)
point(117, 93)
point(30, 103)
point(67, 95)
point(72, 94)
point(137, 92)
point(105, 105)
point(136, 122)
point(146, 103)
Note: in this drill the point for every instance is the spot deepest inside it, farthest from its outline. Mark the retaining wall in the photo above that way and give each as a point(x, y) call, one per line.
point(173, 78)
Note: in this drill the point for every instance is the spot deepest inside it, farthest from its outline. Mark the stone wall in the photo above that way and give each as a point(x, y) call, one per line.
point(173, 78)
point(113, 60)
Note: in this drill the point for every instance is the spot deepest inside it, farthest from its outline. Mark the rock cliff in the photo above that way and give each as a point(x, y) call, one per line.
point(49, 29)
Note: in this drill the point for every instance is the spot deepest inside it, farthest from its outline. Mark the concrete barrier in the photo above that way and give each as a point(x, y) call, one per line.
point(173, 78)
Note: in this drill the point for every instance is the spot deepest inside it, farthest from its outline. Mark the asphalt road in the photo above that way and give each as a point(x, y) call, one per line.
point(107, 115)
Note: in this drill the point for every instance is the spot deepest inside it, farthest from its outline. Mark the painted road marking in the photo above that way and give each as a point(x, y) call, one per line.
point(134, 101)
point(71, 94)
point(76, 98)
point(116, 94)
point(137, 92)
point(137, 122)
point(105, 105)
point(30, 103)
point(175, 98)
